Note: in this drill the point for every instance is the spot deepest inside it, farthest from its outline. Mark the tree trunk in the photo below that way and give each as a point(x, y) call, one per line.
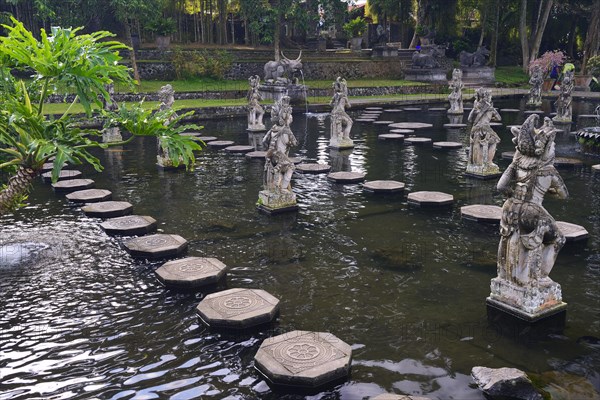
point(523, 35)
point(18, 187)
point(494, 45)
point(539, 30)
point(246, 32)
point(419, 22)
point(136, 74)
point(277, 38)
point(592, 39)
point(482, 35)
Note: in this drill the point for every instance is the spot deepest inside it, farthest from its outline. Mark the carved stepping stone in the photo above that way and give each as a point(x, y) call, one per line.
point(383, 122)
point(534, 112)
point(572, 232)
point(131, 225)
point(392, 396)
point(238, 308)
point(72, 185)
point(364, 120)
point(346, 177)
point(448, 125)
point(402, 131)
point(374, 108)
point(565, 162)
point(596, 168)
point(239, 149)
point(507, 155)
point(220, 144)
point(48, 167)
point(417, 140)
point(156, 246)
point(410, 125)
point(304, 359)
point(482, 213)
point(313, 168)
point(390, 136)
point(383, 186)
point(89, 196)
point(587, 116)
point(256, 154)
point(438, 109)
point(511, 110)
point(108, 209)
point(430, 199)
point(191, 272)
point(412, 108)
point(191, 134)
point(447, 145)
point(63, 175)
point(393, 110)
point(496, 124)
point(296, 160)
point(207, 139)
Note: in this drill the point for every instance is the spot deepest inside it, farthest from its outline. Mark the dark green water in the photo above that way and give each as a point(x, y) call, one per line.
point(404, 287)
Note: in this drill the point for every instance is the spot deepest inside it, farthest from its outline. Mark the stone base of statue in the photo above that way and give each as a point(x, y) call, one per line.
point(384, 51)
point(531, 303)
point(256, 128)
point(277, 202)
point(433, 75)
point(558, 119)
point(275, 91)
point(533, 103)
point(489, 171)
point(111, 135)
point(167, 163)
point(458, 111)
point(340, 143)
point(476, 76)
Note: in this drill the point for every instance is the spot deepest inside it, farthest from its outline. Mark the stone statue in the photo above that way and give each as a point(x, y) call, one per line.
point(341, 123)
point(483, 140)
point(113, 133)
point(477, 59)
point(255, 110)
point(530, 239)
point(426, 58)
point(564, 110)
point(166, 96)
point(455, 96)
point(283, 71)
point(277, 195)
point(535, 93)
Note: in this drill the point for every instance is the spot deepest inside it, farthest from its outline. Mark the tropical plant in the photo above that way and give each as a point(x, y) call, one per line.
point(355, 27)
point(548, 61)
point(65, 62)
point(162, 26)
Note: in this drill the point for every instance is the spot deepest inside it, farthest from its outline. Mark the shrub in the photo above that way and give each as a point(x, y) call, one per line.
point(355, 27)
point(194, 64)
point(593, 66)
point(547, 61)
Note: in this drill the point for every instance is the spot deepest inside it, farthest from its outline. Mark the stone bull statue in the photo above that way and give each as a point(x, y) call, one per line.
point(282, 71)
point(426, 58)
point(476, 59)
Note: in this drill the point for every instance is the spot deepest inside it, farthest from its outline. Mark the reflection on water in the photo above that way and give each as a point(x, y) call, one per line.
point(404, 287)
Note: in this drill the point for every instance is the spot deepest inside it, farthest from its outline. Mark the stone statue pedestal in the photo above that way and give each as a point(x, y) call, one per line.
point(111, 135)
point(274, 91)
point(256, 128)
point(167, 163)
point(340, 143)
point(474, 76)
point(489, 171)
point(532, 302)
point(277, 202)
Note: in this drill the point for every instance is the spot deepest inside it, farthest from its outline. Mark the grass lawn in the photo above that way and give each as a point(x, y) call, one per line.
point(512, 76)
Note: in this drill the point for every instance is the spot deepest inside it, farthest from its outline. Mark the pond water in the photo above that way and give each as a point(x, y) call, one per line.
point(404, 287)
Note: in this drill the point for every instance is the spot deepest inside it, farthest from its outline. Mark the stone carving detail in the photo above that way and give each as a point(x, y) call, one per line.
point(477, 59)
point(530, 238)
point(426, 58)
point(455, 96)
point(304, 352)
point(483, 139)
point(563, 104)
point(166, 96)
point(283, 71)
point(341, 123)
point(236, 304)
point(255, 110)
point(535, 92)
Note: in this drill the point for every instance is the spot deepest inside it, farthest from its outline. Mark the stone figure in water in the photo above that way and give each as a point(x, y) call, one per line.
point(112, 133)
point(455, 96)
point(529, 237)
point(483, 140)
point(564, 109)
point(255, 110)
point(535, 92)
point(341, 123)
point(166, 96)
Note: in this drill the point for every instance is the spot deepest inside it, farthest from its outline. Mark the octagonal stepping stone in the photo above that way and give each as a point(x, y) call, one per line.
point(191, 272)
point(587, 116)
point(256, 154)
point(72, 185)
point(383, 122)
point(383, 186)
point(239, 149)
point(346, 177)
point(238, 308)
point(507, 155)
point(512, 110)
point(156, 246)
point(108, 209)
point(374, 108)
point(410, 125)
point(220, 144)
point(596, 168)
point(482, 213)
point(565, 162)
point(392, 396)
point(438, 109)
point(449, 125)
point(89, 196)
point(393, 110)
point(402, 131)
point(63, 175)
point(572, 232)
point(364, 120)
point(48, 166)
point(304, 359)
point(430, 199)
point(391, 136)
point(534, 112)
point(191, 134)
point(297, 159)
point(207, 139)
point(417, 140)
point(130, 225)
point(313, 168)
point(447, 145)
point(496, 124)
point(412, 108)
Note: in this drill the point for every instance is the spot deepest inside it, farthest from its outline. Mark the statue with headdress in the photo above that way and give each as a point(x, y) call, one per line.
point(535, 92)
point(166, 96)
point(341, 123)
point(455, 97)
point(255, 109)
point(564, 108)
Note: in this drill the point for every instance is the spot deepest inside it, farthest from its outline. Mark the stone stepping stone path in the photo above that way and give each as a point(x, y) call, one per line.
point(346, 177)
point(438, 109)
point(108, 209)
point(507, 155)
point(565, 162)
point(131, 225)
point(390, 136)
point(191, 272)
point(413, 109)
point(430, 199)
point(156, 246)
point(383, 186)
point(256, 154)
point(191, 134)
point(392, 396)
point(304, 359)
point(296, 160)
point(48, 167)
point(383, 122)
point(417, 140)
point(510, 110)
point(313, 168)
point(482, 213)
point(239, 149)
point(402, 131)
point(63, 175)
point(207, 139)
point(448, 125)
point(587, 116)
point(596, 167)
point(374, 108)
point(220, 144)
point(572, 232)
point(73, 185)
point(238, 308)
point(393, 110)
point(364, 120)
point(496, 124)
point(410, 125)
point(89, 196)
point(534, 112)
point(447, 145)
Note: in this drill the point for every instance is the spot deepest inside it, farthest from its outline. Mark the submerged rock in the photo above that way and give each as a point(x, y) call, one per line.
point(402, 260)
point(505, 383)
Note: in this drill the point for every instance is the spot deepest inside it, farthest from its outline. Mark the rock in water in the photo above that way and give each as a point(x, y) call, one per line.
point(505, 383)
